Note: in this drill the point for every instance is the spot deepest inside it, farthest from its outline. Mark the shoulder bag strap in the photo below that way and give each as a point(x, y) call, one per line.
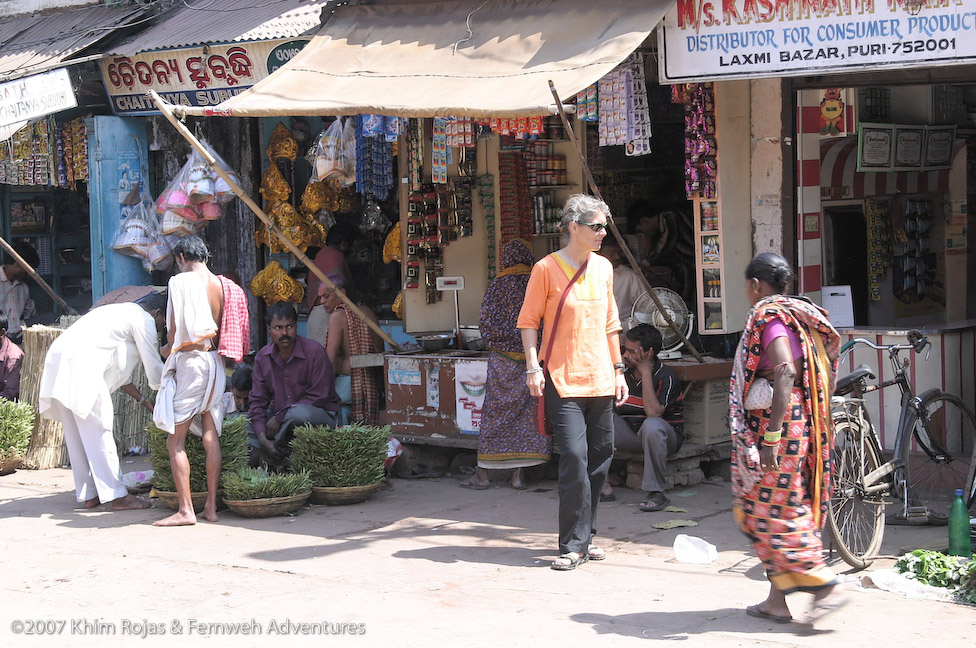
point(559, 308)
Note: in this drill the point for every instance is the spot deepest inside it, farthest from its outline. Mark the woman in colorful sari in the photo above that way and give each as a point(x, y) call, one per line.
point(507, 436)
point(779, 417)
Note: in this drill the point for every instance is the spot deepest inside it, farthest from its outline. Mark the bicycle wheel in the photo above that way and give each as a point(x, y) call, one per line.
point(945, 459)
point(855, 519)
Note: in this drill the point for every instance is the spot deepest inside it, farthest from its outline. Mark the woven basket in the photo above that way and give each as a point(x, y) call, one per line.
point(172, 502)
point(269, 506)
point(342, 495)
point(10, 464)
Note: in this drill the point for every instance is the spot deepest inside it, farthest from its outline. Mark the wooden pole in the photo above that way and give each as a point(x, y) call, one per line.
point(36, 277)
point(616, 233)
point(236, 188)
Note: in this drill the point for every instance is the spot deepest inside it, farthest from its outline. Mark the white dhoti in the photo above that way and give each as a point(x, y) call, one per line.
point(92, 452)
point(193, 383)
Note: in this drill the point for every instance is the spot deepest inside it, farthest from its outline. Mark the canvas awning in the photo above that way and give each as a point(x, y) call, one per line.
point(419, 59)
point(840, 179)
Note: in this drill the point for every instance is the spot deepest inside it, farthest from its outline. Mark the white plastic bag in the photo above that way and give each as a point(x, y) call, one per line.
point(334, 154)
point(689, 549)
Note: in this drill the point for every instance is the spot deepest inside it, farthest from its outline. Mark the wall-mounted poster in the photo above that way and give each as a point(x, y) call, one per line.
point(938, 146)
point(909, 143)
point(875, 147)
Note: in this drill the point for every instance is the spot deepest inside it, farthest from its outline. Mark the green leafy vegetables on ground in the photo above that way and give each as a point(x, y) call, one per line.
point(233, 454)
point(256, 483)
point(16, 428)
point(940, 570)
point(348, 456)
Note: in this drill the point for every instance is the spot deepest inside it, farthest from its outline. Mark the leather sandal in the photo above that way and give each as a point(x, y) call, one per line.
point(568, 561)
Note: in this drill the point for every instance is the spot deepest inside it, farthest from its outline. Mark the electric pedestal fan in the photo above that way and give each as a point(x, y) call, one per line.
point(646, 312)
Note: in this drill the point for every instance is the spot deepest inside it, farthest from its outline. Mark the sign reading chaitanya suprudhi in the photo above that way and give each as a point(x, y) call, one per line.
point(35, 96)
point(712, 40)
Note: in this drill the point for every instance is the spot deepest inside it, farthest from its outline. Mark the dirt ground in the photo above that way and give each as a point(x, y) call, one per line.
point(423, 564)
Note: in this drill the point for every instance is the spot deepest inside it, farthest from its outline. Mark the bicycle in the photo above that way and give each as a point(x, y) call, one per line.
point(942, 428)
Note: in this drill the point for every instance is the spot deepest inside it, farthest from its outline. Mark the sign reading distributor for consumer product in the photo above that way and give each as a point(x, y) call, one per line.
point(35, 96)
point(193, 76)
point(712, 40)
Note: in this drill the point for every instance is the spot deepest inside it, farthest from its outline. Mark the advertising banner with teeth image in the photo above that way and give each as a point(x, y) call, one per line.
point(470, 378)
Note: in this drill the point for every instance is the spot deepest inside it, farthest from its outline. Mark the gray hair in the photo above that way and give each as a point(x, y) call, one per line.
point(192, 248)
point(580, 208)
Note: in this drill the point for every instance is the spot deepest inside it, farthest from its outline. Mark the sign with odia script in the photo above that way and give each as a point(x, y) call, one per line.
point(712, 40)
point(193, 76)
point(35, 96)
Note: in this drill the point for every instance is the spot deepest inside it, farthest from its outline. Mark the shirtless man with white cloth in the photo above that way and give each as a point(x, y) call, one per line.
point(92, 358)
point(193, 376)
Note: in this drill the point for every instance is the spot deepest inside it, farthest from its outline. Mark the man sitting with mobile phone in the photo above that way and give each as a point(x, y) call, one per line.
point(651, 421)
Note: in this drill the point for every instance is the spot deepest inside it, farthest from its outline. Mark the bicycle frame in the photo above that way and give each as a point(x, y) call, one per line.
point(877, 481)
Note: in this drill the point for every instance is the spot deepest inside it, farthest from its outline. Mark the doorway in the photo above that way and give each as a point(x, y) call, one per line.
point(845, 254)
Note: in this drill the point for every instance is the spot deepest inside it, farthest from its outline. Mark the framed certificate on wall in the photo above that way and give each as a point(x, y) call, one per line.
point(875, 147)
point(909, 145)
point(939, 142)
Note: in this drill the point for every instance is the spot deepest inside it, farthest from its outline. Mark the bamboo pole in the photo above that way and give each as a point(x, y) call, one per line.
point(236, 188)
point(36, 277)
point(645, 284)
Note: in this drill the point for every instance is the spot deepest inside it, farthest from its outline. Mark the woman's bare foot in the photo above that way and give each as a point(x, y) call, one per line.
point(177, 519)
point(775, 604)
point(210, 514)
point(129, 503)
point(92, 503)
point(517, 482)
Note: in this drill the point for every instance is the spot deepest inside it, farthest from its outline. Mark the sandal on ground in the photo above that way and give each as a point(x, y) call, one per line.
point(656, 502)
point(825, 606)
point(759, 613)
point(568, 561)
point(596, 553)
point(608, 498)
point(472, 485)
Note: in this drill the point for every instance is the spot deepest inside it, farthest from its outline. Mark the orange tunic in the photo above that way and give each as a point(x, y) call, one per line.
point(581, 362)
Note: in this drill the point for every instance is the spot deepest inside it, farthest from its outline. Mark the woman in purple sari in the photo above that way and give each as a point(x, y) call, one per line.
point(508, 437)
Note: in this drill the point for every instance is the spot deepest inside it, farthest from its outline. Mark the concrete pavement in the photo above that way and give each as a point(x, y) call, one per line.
point(424, 564)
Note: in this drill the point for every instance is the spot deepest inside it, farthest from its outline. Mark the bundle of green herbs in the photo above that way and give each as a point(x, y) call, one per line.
point(257, 483)
point(940, 570)
point(233, 454)
point(336, 457)
point(16, 428)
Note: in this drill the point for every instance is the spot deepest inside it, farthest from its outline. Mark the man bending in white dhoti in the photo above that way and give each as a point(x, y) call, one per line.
point(92, 358)
point(193, 376)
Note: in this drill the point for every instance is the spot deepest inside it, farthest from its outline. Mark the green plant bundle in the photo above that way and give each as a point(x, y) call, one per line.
point(16, 428)
point(256, 483)
point(940, 570)
point(233, 453)
point(348, 456)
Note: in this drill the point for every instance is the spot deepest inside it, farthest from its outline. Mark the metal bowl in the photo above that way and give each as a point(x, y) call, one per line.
point(434, 341)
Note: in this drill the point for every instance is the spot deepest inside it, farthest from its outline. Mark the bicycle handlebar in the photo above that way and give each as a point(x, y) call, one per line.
point(916, 341)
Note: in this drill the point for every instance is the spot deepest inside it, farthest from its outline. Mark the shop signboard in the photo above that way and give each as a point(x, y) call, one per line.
point(35, 96)
point(713, 40)
point(196, 76)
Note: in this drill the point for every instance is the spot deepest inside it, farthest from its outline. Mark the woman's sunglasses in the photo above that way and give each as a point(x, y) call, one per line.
point(596, 227)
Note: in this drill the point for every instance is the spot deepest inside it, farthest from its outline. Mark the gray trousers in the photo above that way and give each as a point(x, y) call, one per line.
point(298, 414)
point(583, 430)
point(655, 439)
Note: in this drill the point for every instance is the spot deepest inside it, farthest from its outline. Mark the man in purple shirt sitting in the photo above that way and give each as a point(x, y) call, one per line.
point(292, 384)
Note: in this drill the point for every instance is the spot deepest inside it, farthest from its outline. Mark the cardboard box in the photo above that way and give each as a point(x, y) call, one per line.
point(707, 412)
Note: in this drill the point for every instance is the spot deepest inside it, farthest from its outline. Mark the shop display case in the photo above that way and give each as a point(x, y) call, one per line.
point(723, 232)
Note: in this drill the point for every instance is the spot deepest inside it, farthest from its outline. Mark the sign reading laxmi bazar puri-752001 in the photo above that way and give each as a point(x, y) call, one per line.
point(711, 40)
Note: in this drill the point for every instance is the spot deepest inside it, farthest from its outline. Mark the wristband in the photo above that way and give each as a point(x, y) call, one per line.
point(142, 399)
point(621, 366)
point(532, 371)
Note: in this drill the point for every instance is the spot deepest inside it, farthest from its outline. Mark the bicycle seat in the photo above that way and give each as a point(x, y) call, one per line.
point(846, 384)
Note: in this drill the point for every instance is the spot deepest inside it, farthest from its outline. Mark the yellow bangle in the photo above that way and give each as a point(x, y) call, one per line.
point(772, 438)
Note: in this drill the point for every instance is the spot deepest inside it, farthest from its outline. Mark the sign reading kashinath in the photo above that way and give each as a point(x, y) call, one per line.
point(193, 76)
point(712, 40)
